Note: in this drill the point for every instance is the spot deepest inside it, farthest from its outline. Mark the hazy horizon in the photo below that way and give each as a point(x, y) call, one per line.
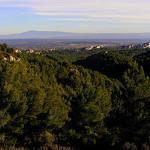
point(33, 34)
point(78, 32)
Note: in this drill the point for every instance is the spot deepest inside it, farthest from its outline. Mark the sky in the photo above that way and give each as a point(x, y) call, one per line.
point(81, 16)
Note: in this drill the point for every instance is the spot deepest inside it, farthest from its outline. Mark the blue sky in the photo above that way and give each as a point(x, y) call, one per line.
point(86, 16)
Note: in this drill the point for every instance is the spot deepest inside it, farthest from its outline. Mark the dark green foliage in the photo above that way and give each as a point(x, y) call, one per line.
point(5, 48)
point(144, 60)
point(110, 64)
point(90, 105)
point(130, 117)
point(48, 102)
point(28, 107)
point(136, 106)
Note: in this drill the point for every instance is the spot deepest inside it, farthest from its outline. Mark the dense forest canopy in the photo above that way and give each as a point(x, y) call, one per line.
point(56, 101)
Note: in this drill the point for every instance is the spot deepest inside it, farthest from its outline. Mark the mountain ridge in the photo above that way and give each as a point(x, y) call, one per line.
point(33, 34)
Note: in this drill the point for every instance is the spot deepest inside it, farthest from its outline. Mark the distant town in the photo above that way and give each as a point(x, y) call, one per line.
point(144, 45)
point(38, 46)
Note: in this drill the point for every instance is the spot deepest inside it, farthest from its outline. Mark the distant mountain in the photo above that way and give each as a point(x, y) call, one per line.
point(68, 35)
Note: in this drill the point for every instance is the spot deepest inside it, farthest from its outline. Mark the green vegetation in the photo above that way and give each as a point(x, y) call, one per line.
point(51, 101)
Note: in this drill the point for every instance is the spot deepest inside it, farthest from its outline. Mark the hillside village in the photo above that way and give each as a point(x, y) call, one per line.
point(88, 48)
point(144, 45)
point(26, 51)
point(10, 57)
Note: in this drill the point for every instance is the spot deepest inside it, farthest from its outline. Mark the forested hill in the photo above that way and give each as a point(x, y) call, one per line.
point(111, 64)
point(47, 102)
point(144, 60)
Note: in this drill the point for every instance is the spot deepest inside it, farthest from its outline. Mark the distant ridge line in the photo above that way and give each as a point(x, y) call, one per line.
point(33, 34)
